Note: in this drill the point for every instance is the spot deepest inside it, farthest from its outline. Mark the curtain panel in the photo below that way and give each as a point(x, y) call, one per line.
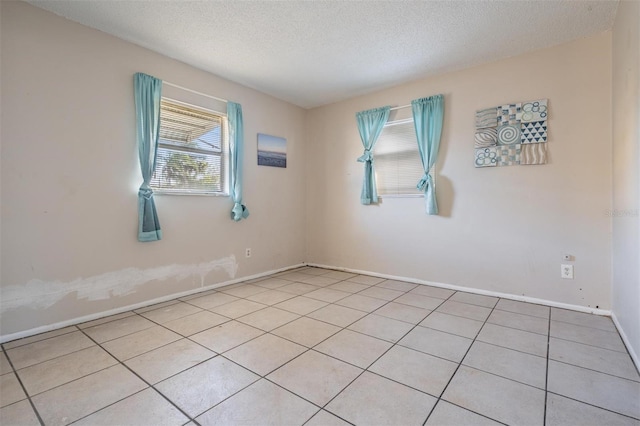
point(370, 124)
point(148, 92)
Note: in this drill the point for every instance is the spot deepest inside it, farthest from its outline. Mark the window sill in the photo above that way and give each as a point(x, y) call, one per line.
point(401, 196)
point(182, 193)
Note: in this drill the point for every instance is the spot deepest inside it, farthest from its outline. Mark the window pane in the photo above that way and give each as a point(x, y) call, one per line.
point(181, 170)
point(397, 160)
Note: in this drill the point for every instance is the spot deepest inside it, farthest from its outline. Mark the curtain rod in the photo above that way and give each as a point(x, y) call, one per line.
point(400, 107)
point(193, 91)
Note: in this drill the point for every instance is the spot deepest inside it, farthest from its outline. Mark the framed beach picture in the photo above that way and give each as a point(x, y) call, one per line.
point(272, 151)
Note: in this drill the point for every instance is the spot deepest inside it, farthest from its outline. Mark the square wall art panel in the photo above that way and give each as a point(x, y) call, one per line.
point(512, 134)
point(272, 151)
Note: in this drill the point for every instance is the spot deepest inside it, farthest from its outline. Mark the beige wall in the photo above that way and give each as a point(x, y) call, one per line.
point(503, 229)
point(626, 171)
point(70, 175)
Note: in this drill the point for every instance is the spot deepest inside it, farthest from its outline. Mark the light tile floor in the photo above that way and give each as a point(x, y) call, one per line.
point(320, 347)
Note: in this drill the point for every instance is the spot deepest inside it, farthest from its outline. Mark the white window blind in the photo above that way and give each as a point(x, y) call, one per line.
point(191, 149)
point(396, 159)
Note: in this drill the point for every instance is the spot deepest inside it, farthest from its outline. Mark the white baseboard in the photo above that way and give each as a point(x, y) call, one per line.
point(545, 302)
point(627, 343)
point(79, 320)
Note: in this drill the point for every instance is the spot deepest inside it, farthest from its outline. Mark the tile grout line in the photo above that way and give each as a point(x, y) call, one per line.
point(24, 389)
point(546, 376)
point(458, 367)
point(142, 379)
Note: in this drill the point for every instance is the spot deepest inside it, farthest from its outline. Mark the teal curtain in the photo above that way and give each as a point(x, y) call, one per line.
point(236, 141)
point(370, 124)
point(148, 91)
point(428, 114)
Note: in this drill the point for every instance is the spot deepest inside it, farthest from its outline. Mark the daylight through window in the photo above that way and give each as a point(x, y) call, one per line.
point(191, 150)
point(397, 161)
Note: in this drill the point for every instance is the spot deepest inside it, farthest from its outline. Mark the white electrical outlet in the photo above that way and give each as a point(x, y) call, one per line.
point(566, 272)
point(247, 252)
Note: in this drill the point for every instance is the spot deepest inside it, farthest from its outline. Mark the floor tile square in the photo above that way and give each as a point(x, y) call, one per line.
point(238, 308)
point(419, 301)
point(407, 407)
point(361, 303)
point(381, 327)
point(243, 290)
point(598, 359)
point(271, 297)
point(272, 283)
point(105, 320)
point(19, 413)
point(327, 295)
point(223, 337)
point(563, 411)
point(366, 279)
point(10, 390)
point(39, 337)
point(321, 281)
point(519, 366)
point(114, 329)
point(339, 275)
point(523, 308)
point(430, 291)
point(298, 288)
point(5, 367)
point(397, 285)
point(55, 372)
point(301, 305)
point(269, 318)
point(418, 370)
point(354, 348)
point(292, 276)
point(264, 354)
point(155, 306)
point(147, 407)
point(587, 335)
point(74, 400)
point(443, 345)
point(337, 315)
point(315, 377)
point(197, 295)
point(474, 299)
point(401, 312)
point(205, 385)
point(348, 287)
point(313, 270)
point(164, 362)
point(262, 403)
point(602, 390)
point(306, 331)
point(381, 293)
point(195, 323)
point(210, 301)
point(465, 310)
point(519, 321)
point(495, 397)
point(583, 319)
point(464, 327)
point(171, 312)
point(447, 414)
point(44, 350)
point(511, 338)
point(138, 343)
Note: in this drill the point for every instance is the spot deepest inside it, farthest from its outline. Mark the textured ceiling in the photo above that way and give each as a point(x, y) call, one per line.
point(312, 53)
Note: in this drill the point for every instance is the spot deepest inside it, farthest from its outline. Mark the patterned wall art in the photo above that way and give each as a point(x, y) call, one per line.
point(512, 134)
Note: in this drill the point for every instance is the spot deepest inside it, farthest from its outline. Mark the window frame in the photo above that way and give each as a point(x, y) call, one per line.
point(431, 171)
point(223, 154)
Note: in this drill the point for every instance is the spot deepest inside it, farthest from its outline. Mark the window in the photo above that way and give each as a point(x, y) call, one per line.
point(398, 166)
point(192, 150)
